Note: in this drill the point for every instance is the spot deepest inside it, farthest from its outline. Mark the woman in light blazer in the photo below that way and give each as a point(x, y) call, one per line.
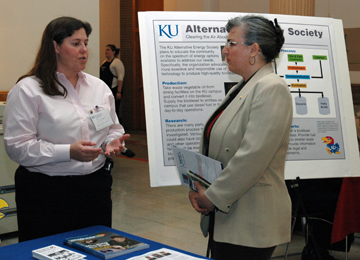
point(247, 210)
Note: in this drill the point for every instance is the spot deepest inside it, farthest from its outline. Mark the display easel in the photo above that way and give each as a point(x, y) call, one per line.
point(300, 212)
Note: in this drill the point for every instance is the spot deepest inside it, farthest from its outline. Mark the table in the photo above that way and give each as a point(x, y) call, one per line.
point(23, 250)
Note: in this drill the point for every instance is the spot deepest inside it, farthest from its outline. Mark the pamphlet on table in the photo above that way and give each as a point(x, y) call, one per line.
point(164, 254)
point(54, 252)
point(106, 244)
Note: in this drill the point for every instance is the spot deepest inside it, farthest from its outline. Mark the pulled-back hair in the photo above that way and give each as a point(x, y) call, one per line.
point(258, 29)
point(45, 65)
point(113, 48)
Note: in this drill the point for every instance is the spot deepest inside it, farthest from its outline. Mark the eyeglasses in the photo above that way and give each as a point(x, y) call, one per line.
point(231, 44)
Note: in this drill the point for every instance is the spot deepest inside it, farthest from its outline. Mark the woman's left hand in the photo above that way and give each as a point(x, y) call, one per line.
point(115, 147)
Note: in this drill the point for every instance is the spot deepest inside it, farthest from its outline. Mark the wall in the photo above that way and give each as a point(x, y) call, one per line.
point(170, 5)
point(21, 33)
point(259, 6)
point(22, 24)
point(346, 10)
point(245, 6)
point(184, 5)
point(109, 25)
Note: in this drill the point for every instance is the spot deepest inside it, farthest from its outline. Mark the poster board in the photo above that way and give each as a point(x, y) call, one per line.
point(185, 78)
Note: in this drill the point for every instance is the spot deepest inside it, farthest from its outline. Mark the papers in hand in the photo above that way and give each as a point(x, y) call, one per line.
point(193, 166)
point(195, 177)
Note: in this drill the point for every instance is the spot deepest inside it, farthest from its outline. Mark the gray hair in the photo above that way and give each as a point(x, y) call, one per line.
point(262, 31)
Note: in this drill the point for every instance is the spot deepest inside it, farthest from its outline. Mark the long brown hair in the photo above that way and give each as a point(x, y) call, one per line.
point(45, 65)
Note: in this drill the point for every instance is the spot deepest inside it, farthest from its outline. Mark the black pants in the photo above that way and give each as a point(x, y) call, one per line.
point(117, 103)
point(48, 205)
point(225, 251)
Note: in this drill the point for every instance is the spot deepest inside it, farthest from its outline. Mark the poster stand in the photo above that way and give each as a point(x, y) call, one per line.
point(186, 77)
point(300, 212)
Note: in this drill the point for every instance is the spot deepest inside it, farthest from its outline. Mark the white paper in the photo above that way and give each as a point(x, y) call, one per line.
point(102, 119)
point(164, 253)
point(202, 165)
point(57, 252)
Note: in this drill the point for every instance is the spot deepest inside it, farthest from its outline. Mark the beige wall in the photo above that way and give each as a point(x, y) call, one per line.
point(183, 5)
point(22, 24)
point(109, 25)
point(170, 5)
point(346, 10)
point(21, 33)
point(259, 6)
point(245, 6)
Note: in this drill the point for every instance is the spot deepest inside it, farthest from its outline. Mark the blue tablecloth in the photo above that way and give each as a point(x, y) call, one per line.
point(23, 251)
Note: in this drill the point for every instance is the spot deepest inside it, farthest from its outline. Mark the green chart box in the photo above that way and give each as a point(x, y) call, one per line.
point(296, 57)
point(319, 57)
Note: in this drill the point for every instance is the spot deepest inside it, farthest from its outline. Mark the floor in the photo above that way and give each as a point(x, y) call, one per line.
point(164, 214)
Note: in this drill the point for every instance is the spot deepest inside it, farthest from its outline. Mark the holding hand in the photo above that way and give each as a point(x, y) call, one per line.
point(115, 147)
point(83, 152)
point(199, 200)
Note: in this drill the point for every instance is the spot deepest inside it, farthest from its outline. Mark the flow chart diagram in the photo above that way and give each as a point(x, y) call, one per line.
point(308, 75)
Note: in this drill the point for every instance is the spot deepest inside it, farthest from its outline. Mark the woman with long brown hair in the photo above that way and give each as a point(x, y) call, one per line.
point(60, 125)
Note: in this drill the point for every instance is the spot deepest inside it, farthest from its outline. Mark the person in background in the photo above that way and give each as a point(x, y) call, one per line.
point(247, 209)
point(112, 72)
point(60, 125)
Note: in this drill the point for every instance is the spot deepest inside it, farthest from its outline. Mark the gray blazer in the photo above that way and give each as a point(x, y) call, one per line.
point(251, 139)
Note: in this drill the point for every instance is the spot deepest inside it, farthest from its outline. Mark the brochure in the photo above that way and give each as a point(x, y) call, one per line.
point(193, 166)
point(192, 177)
point(165, 254)
point(54, 252)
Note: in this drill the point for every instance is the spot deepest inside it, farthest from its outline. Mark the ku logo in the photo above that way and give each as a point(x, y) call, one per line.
point(3, 205)
point(331, 146)
point(168, 30)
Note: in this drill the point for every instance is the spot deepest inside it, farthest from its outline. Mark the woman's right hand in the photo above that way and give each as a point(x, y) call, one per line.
point(83, 152)
point(193, 197)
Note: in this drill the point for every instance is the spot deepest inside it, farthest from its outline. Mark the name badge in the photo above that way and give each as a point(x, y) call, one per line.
point(101, 119)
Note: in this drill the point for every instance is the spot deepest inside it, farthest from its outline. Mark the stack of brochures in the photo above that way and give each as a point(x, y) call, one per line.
point(105, 245)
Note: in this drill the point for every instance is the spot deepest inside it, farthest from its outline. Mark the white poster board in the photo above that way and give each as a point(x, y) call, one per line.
point(185, 78)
